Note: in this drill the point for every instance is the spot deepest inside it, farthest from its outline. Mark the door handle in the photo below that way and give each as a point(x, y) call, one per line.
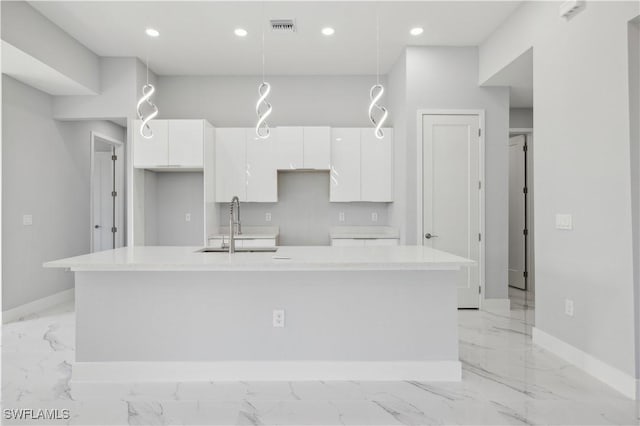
point(97, 227)
point(428, 236)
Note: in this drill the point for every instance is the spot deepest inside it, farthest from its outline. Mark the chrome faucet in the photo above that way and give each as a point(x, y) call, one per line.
point(234, 226)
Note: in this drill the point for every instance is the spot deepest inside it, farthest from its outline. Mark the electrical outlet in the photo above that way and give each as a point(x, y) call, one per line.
point(27, 220)
point(267, 217)
point(374, 217)
point(187, 217)
point(341, 216)
point(278, 318)
point(568, 307)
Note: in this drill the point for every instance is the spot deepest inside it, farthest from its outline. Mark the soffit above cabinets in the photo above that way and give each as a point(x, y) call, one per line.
point(197, 38)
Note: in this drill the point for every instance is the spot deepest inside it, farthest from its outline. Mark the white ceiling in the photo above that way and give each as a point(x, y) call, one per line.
point(196, 38)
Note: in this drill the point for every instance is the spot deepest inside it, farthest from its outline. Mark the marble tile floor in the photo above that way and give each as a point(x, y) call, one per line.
point(506, 380)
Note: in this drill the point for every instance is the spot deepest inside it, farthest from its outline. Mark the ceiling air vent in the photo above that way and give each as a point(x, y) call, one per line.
point(283, 26)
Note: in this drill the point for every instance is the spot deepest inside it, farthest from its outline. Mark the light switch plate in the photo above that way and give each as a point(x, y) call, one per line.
point(187, 217)
point(27, 220)
point(374, 217)
point(568, 307)
point(267, 217)
point(564, 221)
point(341, 216)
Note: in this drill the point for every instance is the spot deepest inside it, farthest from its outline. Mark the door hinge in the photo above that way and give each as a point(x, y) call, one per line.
point(479, 237)
point(525, 190)
point(114, 229)
point(524, 147)
point(525, 232)
point(479, 184)
point(479, 132)
point(479, 289)
point(114, 157)
point(525, 274)
point(114, 194)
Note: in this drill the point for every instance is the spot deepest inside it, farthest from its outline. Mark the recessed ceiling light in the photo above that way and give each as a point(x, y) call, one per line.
point(416, 31)
point(152, 32)
point(328, 31)
point(240, 32)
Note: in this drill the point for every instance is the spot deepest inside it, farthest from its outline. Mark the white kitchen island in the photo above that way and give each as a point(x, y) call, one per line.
point(351, 313)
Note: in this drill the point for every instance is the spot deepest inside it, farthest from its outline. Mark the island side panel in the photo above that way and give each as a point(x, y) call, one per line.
point(227, 316)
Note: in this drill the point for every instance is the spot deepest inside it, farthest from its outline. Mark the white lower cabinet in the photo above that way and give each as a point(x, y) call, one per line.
point(363, 242)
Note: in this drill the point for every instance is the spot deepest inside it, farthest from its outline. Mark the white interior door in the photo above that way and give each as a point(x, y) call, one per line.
point(102, 201)
point(451, 194)
point(517, 224)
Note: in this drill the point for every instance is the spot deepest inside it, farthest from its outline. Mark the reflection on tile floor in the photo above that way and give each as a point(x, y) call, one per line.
point(506, 380)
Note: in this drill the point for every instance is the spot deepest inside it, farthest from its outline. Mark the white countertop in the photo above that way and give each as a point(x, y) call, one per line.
point(289, 258)
point(339, 232)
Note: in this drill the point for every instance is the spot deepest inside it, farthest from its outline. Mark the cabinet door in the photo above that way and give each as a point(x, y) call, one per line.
point(262, 176)
point(345, 165)
point(316, 149)
point(375, 242)
point(347, 242)
point(186, 143)
point(151, 152)
point(289, 148)
point(376, 165)
point(231, 164)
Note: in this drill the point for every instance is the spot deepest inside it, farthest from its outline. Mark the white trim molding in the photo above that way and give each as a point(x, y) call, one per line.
point(495, 305)
point(37, 306)
point(102, 372)
point(619, 380)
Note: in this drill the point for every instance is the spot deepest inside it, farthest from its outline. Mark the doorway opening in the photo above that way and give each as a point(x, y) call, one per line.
point(451, 192)
point(521, 254)
point(107, 193)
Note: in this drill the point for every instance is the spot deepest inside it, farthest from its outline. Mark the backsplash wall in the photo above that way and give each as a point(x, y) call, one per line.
point(303, 211)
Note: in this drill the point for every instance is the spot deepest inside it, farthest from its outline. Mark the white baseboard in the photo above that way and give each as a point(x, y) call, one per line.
point(103, 372)
point(496, 305)
point(19, 312)
point(619, 380)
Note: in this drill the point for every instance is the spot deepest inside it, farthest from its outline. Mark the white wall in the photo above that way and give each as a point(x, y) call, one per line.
point(339, 101)
point(581, 166)
point(121, 81)
point(521, 118)
point(46, 168)
point(447, 78)
point(28, 30)
point(397, 105)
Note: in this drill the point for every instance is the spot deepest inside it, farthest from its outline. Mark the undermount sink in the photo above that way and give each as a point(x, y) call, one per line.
point(238, 249)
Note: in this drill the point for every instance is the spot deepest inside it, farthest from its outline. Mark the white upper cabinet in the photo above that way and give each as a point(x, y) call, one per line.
point(174, 144)
point(262, 175)
point(152, 152)
point(303, 148)
point(231, 161)
point(186, 143)
point(345, 165)
point(289, 148)
point(361, 165)
point(316, 147)
point(376, 166)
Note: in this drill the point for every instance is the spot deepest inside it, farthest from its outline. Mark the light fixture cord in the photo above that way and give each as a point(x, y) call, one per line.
point(377, 45)
point(262, 23)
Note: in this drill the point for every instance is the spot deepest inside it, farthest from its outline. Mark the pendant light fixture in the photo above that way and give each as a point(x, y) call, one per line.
point(147, 92)
point(379, 116)
point(263, 107)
